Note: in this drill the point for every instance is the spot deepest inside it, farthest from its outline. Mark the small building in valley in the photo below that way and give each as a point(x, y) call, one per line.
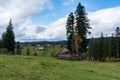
point(64, 54)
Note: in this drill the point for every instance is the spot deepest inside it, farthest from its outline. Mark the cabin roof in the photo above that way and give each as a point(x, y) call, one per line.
point(64, 51)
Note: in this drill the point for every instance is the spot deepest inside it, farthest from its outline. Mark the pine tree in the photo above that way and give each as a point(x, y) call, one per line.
point(82, 26)
point(113, 46)
point(18, 48)
point(8, 38)
point(1, 44)
point(106, 48)
point(28, 51)
point(4, 40)
point(70, 30)
point(118, 41)
point(96, 50)
point(101, 48)
point(91, 48)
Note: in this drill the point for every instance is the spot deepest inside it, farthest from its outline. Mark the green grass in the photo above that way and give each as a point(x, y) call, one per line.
point(47, 52)
point(48, 68)
point(45, 67)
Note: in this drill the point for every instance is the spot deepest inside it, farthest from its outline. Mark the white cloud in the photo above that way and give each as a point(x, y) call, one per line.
point(20, 10)
point(53, 31)
point(105, 20)
point(68, 2)
point(26, 29)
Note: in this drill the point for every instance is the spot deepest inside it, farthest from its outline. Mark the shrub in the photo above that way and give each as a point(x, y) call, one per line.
point(28, 51)
point(35, 54)
point(112, 59)
point(54, 54)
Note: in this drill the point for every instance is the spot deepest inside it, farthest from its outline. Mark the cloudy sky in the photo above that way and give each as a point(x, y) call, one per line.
point(46, 19)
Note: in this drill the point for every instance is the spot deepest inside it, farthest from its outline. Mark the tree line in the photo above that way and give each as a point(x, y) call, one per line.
point(105, 47)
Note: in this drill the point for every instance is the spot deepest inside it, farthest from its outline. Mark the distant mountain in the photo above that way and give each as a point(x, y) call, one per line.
point(63, 42)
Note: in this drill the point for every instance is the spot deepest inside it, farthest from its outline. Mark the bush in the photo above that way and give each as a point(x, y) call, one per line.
point(28, 51)
point(3, 50)
point(54, 54)
point(35, 54)
point(112, 59)
point(18, 52)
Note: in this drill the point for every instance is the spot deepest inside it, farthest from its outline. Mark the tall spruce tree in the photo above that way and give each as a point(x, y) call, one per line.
point(1, 44)
point(117, 31)
point(96, 50)
point(8, 38)
point(91, 49)
point(82, 26)
point(101, 48)
point(106, 48)
point(113, 46)
point(18, 48)
point(4, 39)
point(70, 30)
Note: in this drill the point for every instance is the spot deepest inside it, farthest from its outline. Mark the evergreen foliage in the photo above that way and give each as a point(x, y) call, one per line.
point(28, 51)
point(1, 46)
point(91, 48)
point(105, 47)
point(8, 38)
point(101, 48)
point(70, 30)
point(117, 31)
point(18, 48)
point(82, 26)
point(113, 46)
point(35, 54)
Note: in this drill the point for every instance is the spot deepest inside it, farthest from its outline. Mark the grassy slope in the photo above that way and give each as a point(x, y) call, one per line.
point(47, 68)
point(47, 52)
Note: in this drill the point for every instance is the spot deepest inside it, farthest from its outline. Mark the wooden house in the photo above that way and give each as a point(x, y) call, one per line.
point(64, 54)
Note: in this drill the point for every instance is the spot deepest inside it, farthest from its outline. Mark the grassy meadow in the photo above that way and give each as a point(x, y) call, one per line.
point(45, 67)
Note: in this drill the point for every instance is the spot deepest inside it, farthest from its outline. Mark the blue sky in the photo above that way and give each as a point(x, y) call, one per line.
point(60, 9)
point(46, 19)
